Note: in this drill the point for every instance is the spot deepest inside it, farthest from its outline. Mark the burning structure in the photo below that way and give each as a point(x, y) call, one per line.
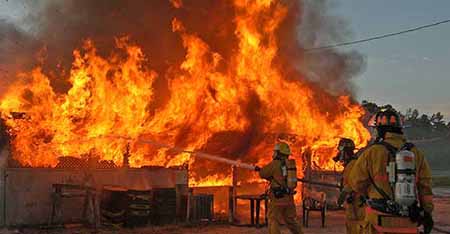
point(228, 78)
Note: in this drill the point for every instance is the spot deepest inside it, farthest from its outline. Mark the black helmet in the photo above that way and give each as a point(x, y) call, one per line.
point(346, 149)
point(386, 118)
point(346, 144)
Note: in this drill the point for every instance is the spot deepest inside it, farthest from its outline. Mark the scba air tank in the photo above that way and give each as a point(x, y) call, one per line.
point(405, 180)
point(291, 168)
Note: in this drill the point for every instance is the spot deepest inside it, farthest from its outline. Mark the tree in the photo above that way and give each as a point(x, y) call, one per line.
point(408, 114)
point(437, 119)
point(415, 114)
point(424, 120)
point(438, 123)
point(411, 114)
point(417, 125)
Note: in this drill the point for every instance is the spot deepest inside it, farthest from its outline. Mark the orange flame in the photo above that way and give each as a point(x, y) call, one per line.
point(225, 106)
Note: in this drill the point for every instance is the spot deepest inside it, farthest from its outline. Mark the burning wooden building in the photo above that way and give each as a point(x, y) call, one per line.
point(230, 86)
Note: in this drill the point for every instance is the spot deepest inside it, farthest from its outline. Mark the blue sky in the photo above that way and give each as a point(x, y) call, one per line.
point(409, 70)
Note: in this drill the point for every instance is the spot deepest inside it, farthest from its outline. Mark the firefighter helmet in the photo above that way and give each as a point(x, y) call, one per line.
point(282, 148)
point(386, 118)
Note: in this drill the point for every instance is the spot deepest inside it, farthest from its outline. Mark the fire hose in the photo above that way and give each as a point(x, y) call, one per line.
point(207, 156)
point(178, 149)
point(236, 163)
point(220, 159)
point(194, 153)
point(319, 183)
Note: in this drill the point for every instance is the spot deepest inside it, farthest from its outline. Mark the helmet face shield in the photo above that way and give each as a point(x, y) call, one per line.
point(346, 149)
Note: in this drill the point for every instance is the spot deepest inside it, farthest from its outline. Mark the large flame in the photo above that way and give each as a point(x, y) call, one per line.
point(223, 106)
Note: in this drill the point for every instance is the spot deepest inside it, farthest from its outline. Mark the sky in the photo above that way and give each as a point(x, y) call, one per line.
point(410, 70)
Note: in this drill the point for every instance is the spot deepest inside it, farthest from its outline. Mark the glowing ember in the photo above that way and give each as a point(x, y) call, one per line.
point(225, 105)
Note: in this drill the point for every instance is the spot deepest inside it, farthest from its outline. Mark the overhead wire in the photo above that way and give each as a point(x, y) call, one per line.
point(377, 37)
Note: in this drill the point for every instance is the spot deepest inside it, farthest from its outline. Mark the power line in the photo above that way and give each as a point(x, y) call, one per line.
point(377, 37)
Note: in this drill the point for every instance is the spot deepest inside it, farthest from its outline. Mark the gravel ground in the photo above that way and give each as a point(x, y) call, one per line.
point(335, 224)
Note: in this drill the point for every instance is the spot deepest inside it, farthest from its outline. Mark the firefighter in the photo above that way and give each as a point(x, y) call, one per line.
point(354, 207)
point(282, 174)
point(395, 177)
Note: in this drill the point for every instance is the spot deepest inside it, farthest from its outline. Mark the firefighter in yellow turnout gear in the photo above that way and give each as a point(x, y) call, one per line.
point(354, 204)
point(379, 173)
point(282, 174)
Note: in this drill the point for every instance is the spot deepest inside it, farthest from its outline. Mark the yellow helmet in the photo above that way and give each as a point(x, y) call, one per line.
point(283, 148)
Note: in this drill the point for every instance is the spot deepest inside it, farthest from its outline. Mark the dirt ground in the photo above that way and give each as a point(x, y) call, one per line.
point(334, 224)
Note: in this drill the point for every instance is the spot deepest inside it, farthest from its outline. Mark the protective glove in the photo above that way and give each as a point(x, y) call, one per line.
point(428, 223)
point(342, 197)
point(257, 168)
point(416, 213)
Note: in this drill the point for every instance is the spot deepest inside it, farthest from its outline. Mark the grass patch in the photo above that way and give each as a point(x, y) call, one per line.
point(441, 181)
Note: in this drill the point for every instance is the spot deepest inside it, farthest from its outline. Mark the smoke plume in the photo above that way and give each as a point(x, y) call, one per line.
point(58, 27)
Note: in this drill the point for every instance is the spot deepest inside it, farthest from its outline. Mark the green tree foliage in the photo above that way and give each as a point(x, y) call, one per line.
point(411, 114)
point(430, 133)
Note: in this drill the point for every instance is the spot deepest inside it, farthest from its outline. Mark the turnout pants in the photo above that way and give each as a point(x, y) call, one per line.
point(279, 213)
point(354, 217)
point(355, 226)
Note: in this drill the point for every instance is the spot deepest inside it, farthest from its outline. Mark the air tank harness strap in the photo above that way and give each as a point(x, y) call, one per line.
point(392, 151)
point(284, 173)
point(282, 190)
